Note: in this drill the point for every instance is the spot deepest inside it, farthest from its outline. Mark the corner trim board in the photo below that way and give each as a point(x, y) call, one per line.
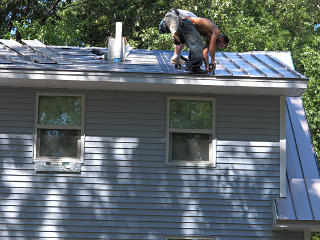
point(283, 143)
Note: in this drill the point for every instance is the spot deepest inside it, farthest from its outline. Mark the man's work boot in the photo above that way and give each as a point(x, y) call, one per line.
point(177, 60)
point(198, 70)
point(188, 66)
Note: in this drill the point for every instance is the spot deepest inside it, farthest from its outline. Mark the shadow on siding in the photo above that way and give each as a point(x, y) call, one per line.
point(126, 192)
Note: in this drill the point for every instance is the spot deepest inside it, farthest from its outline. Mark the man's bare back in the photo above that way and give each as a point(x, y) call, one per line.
point(210, 32)
point(205, 27)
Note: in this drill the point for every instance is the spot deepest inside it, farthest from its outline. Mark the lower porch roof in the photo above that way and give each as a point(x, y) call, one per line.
point(300, 209)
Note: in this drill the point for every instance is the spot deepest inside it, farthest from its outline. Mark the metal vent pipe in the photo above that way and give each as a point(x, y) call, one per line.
point(118, 42)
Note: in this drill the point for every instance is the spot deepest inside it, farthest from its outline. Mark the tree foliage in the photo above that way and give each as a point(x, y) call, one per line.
point(27, 15)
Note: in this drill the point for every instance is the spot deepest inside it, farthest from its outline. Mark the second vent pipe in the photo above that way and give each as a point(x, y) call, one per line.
point(118, 42)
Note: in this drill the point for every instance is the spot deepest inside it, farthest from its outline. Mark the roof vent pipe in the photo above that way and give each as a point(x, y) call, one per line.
point(118, 42)
point(118, 47)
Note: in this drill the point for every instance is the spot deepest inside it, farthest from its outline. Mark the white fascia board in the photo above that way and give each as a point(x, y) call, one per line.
point(151, 82)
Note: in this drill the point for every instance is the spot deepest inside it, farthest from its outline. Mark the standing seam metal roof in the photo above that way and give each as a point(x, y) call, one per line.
point(302, 202)
point(36, 55)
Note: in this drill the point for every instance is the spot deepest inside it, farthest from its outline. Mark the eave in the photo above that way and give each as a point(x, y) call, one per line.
point(140, 81)
point(313, 226)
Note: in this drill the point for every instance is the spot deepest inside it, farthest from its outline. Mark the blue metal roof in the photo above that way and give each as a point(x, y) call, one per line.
point(302, 202)
point(35, 55)
point(34, 64)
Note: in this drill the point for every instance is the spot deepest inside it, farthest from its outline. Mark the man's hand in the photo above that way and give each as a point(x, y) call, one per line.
point(211, 67)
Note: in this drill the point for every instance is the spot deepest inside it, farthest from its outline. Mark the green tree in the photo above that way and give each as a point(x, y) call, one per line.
point(310, 60)
point(25, 16)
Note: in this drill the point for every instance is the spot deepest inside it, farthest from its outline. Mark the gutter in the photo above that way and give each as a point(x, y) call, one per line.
point(291, 224)
point(80, 79)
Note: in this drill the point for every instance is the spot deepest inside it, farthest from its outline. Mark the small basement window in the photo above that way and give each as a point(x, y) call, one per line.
point(191, 131)
point(59, 132)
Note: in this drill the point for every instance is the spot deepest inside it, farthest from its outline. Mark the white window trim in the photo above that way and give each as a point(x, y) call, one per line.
point(81, 128)
point(213, 144)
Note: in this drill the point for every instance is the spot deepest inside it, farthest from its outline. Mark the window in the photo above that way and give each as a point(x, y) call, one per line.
point(191, 131)
point(59, 132)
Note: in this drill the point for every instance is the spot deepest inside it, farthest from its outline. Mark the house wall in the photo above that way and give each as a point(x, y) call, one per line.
point(125, 190)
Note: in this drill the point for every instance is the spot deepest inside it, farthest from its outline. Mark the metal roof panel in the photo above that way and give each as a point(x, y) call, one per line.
point(236, 73)
point(313, 186)
point(303, 178)
point(230, 63)
point(247, 65)
point(277, 66)
point(26, 51)
point(300, 199)
point(284, 207)
point(259, 64)
point(249, 68)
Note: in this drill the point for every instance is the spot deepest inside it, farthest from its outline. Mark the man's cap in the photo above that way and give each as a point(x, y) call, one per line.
point(163, 28)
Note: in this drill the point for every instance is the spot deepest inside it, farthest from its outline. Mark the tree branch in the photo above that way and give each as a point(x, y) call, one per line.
point(12, 5)
point(316, 3)
point(46, 15)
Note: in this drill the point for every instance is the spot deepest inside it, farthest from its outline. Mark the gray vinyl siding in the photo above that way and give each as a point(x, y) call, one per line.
point(125, 190)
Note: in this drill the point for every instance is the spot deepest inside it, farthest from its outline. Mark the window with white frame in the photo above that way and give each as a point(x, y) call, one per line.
point(191, 131)
point(59, 128)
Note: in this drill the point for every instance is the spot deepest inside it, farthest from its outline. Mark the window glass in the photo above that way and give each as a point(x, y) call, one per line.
point(60, 110)
point(190, 147)
point(58, 143)
point(186, 114)
point(191, 131)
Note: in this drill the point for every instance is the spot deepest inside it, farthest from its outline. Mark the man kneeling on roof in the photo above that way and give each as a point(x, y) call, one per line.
point(188, 29)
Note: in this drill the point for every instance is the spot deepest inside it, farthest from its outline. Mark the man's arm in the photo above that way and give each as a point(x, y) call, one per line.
point(205, 56)
point(210, 47)
point(213, 49)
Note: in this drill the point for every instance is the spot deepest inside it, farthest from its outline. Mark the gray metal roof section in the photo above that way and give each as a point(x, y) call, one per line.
point(34, 64)
point(300, 209)
point(36, 55)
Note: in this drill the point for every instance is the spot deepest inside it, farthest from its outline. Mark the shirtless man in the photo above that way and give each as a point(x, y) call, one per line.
point(190, 30)
point(171, 21)
point(214, 39)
